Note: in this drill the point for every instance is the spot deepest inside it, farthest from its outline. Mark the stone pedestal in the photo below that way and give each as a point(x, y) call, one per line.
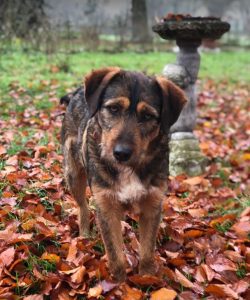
point(185, 155)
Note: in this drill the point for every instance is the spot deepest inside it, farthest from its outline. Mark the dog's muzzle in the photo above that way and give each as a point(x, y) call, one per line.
point(122, 153)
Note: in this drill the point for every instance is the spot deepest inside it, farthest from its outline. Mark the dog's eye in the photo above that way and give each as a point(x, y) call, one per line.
point(147, 117)
point(114, 108)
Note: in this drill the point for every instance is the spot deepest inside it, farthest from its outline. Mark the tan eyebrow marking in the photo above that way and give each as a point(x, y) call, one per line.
point(145, 107)
point(123, 101)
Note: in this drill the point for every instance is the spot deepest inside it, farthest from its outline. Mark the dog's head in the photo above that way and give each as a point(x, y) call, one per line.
point(132, 110)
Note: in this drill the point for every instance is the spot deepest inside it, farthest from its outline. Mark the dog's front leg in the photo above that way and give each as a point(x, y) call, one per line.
point(109, 214)
point(149, 220)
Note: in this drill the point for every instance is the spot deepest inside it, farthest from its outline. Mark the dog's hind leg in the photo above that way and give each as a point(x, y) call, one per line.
point(76, 179)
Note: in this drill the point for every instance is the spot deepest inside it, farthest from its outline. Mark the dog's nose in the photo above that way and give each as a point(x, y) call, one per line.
point(122, 153)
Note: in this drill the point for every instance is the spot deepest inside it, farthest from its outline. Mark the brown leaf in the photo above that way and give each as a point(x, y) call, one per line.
point(77, 277)
point(200, 275)
point(234, 256)
point(28, 225)
point(95, 291)
point(222, 219)
point(197, 212)
point(43, 229)
point(241, 286)
point(163, 294)
point(53, 258)
point(7, 256)
point(183, 280)
point(193, 180)
point(33, 297)
point(208, 271)
point(131, 293)
point(72, 251)
point(221, 290)
point(193, 233)
point(242, 228)
point(188, 295)
point(220, 263)
point(145, 280)
point(2, 150)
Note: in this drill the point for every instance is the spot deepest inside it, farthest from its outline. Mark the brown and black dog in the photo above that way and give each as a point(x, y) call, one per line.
point(115, 134)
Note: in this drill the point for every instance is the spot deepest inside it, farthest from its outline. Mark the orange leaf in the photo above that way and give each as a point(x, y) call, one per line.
point(77, 277)
point(242, 228)
point(95, 291)
point(7, 256)
point(163, 294)
point(193, 233)
point(221, 290)
point(246, 156)
point(72, 251)
point(222, 219)
point(53, 258)
point(219, 263)
point(234, 256)
point(131, 293)
point(197, 212)
point(208, 271)
point(2, 150)
point(145, 280)
point(28, 225)
point(193, 180)
point(183, 280)
point(43, 229)
point(33, 297)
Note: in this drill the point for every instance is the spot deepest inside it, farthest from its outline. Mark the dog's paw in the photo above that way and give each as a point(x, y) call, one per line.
point(147, 267)
point(118, 272)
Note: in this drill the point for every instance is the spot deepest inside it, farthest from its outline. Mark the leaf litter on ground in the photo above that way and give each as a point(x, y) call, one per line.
point(203, 246)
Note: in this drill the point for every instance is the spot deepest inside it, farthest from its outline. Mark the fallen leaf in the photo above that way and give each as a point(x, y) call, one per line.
point(7, 256)
point(95, 291)
point(163, 294)
point(183, 280)
point(242, 228)
point(219, 263)
point(131, 293)
point(221, 290)
point(145, 280)
point(34, 297)
point(194, 180)
point(197, 212)
point(77, 277)
point(53, 258)
point(108, 286)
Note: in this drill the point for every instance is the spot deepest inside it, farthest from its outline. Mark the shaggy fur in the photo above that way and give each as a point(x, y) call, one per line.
point(115, 135)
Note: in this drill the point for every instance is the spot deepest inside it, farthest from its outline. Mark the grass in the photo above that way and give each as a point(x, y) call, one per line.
point(33, 67)
point(37, 74)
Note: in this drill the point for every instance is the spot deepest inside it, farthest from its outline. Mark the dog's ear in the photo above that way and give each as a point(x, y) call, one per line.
point(173, 100)
point(95, 84)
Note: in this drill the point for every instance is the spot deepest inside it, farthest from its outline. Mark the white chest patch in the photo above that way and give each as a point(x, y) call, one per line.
point(130, 187)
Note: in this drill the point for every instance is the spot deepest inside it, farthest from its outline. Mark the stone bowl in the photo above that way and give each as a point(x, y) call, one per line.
point(191, 28)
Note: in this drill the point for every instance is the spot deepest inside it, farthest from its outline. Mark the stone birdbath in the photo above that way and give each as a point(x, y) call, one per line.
point(188, 32)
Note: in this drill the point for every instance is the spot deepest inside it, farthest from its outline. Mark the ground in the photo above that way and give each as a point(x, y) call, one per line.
point(203, 243)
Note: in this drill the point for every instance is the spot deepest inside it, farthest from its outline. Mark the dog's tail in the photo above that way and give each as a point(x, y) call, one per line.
point(67, 98)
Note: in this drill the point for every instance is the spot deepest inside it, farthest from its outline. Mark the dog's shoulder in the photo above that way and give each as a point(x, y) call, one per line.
point(76, 107)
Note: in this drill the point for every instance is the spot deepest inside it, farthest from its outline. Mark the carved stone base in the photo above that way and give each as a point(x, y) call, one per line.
point(185, 156)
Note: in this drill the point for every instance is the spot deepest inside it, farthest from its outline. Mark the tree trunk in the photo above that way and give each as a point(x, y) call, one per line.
point(21, 18)
point(140, 30)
